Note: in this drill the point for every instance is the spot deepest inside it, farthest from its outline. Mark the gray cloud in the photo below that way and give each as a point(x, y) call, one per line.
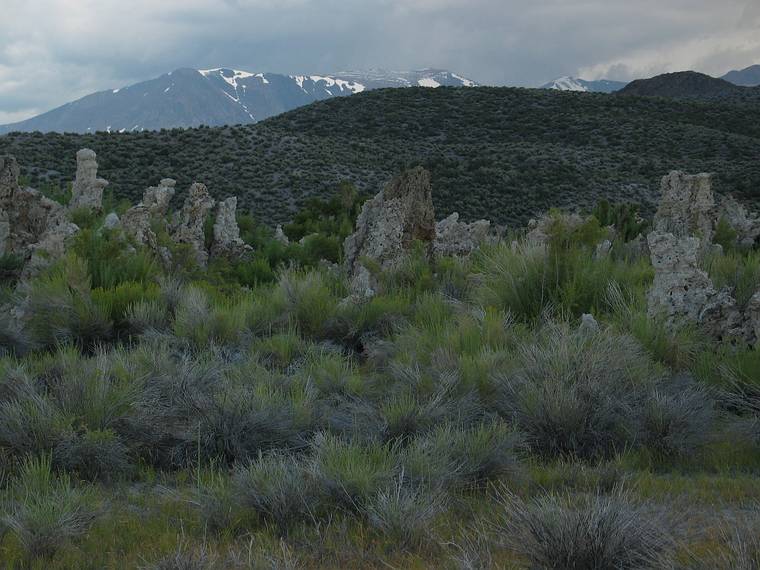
point(53, 51)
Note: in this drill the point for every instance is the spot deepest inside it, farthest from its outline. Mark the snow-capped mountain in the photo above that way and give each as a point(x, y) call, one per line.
point(221, 96)
point(574, 84)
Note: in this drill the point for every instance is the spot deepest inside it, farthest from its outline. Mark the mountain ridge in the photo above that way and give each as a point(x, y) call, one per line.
point(188, 97)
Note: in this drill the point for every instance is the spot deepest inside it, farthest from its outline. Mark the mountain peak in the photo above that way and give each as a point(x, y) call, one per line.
point(568, 83)
point(217, 96)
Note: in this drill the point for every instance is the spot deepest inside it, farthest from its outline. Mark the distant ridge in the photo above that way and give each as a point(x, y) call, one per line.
point(574, 84)
point(216, 97)
point(689, 85)
point(748, 77)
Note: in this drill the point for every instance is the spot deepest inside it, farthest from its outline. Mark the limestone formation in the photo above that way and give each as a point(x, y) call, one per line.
point(684, 294)
point(280, 236)
point(388, 225)
point(745, 224)
point(453, 237)
point(227, 242)
point(687, 207)
point(540, 231)
point(137, 220)
point(753, 319)
point(112, 221)
point(603, 249)
point(25, 214)
point(50, 248)
point(680, 289)
point(189, 228)
point(87, 191)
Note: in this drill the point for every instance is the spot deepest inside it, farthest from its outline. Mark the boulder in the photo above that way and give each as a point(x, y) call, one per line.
point(189, 227)
point(687, 207)
point(453, 237)
point(50, 248)
point(387, 227)
point(87, 191)
point(227, 242)
point(112, 221)
point(603, 249)
point(589, 325)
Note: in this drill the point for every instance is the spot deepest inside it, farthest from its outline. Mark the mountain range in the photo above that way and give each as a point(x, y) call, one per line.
point(574, 84)
point(190, 98)
point(748, 77)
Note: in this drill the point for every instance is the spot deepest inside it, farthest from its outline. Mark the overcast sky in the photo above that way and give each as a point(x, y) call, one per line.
point(54, 51)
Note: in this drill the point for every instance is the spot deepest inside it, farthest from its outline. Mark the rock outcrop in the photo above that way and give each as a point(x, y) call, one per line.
point(227, 242)
point(687, 206)
point(745, 224)
point(453, 237)
point(29, 222)
point(87, 191)
point(189, 228)
point(137, 221)
point(387, 227)
point(280, 236)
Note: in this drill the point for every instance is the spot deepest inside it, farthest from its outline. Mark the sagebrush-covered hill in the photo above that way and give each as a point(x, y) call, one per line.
point(502, 153)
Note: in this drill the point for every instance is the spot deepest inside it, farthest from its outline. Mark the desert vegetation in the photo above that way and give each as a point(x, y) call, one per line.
point(498, 153)
point(250, 415)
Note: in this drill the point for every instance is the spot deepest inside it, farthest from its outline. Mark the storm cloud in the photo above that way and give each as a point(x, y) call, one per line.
point(54, 51)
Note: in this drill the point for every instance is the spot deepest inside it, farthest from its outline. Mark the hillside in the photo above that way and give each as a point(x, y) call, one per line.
point(690, 85)
point(215, 97)
point(502, 153)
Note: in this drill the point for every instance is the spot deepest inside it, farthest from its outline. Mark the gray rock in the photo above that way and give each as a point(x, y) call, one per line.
point(280, 236)
point(189, 228)
point(746, 224)
point(588, 324)
point(603, 249)
point(112, 221)
point(155, 203)
point(453, 237)
point(227, 242)
point(87, 191)
point(387, 227)
point(687, 207)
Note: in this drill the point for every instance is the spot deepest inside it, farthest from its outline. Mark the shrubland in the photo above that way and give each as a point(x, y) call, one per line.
point(248, 416)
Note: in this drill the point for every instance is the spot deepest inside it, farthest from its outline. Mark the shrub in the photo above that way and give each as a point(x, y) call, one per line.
point(675, 423)
point(403, 513)
point(278, 487)
point(575, 394)
point(592, 531)
point(351, 472)
point(449, 457)
point(30, 423)
point(61, 308)
point(47, 511)
point(94, 455)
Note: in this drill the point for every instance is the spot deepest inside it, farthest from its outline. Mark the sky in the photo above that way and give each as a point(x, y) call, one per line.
point(55, 51)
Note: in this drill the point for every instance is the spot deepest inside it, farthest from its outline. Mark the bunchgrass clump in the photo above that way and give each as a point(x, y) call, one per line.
point(604, 532)
point(47, 511)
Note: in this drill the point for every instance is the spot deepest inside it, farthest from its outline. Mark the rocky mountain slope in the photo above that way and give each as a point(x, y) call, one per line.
point(190, 98)
point(575, 84)
point(499, 153)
